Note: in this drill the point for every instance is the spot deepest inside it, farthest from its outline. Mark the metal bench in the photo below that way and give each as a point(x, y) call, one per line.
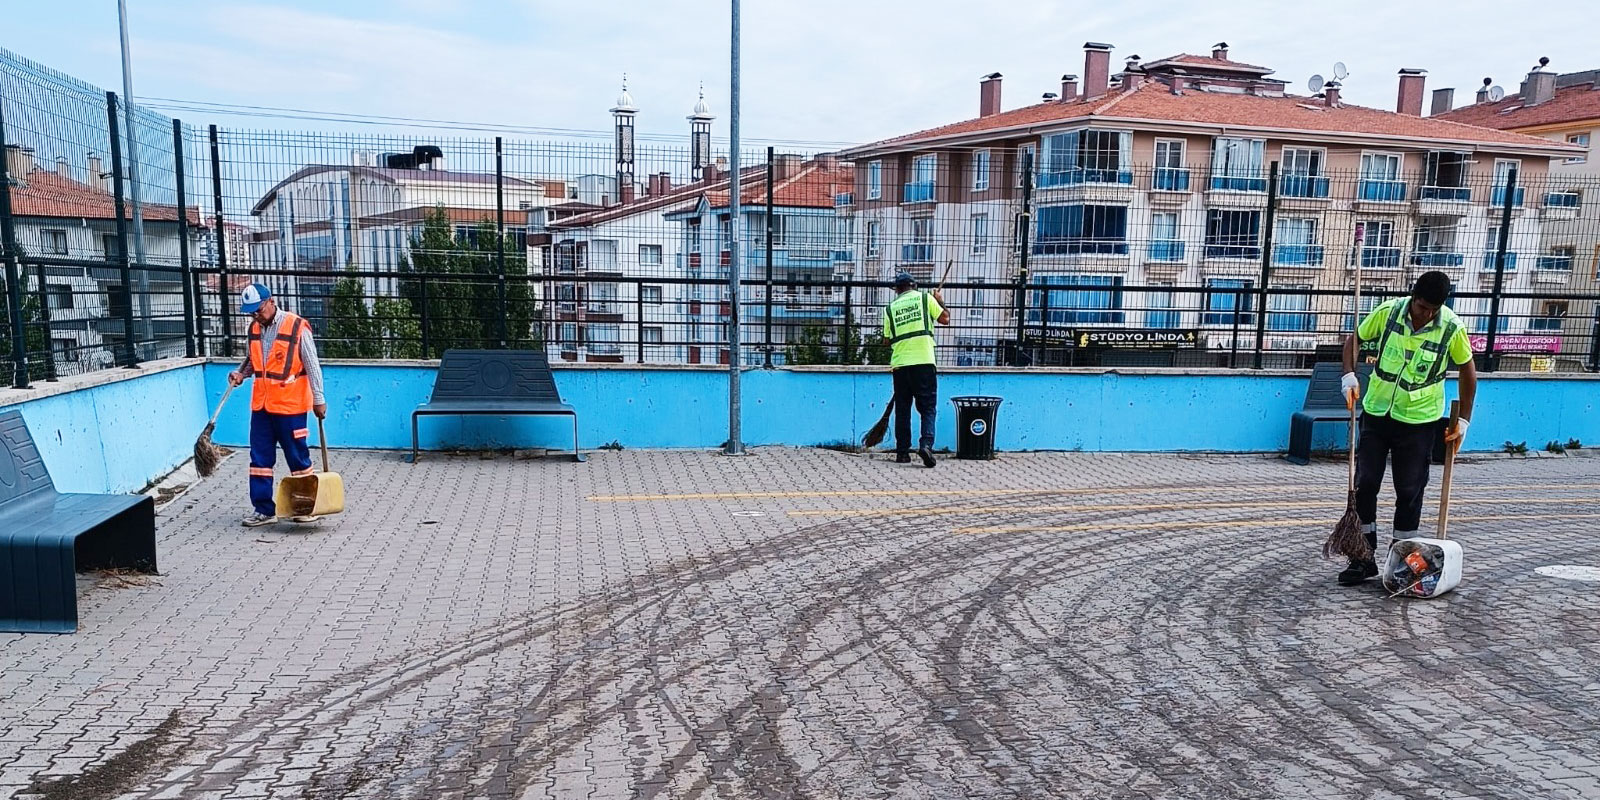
point(1324, 403)
point(495, 382)
point(46, 537)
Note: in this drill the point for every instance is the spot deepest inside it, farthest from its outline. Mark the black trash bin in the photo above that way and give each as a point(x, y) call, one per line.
point(975, 426)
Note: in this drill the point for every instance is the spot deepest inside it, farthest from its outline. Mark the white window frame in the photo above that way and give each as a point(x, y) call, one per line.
point(980, 233)
point(1182, 148)
point(1500, 177)
point(978, 298)
point(925, 168)
point(646, 334)
point(1284, 224)
point(874, 180)
point(1316, 158)
point(660, 255)
point(1579, 139)
point(1031, 149)
point(645, 293)
point(874, 238)
point(980, 170)
point(1155, 227)
point(47, 239)
point(1367, 156)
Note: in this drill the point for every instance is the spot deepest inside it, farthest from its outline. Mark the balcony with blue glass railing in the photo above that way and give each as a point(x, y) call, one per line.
point(1303, 186)
point(1454, 194)
point(1170, 179)
point(1554, 263)
point(1297, 255)
point(1497, 197)
point(1489, 261)
point(1063, 246)
point(916, 253)
point(1165, 250)
point(918, 192)
point(1382, 191)
point(1245, 251)
point(1380, 258)
point(1563, 200)
point(1436, 258)
point(1078, 175)
point(844, 255)
point(1244, 182)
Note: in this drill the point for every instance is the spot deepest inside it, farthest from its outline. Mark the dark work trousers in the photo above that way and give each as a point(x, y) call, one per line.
point(919, 382)
point(268, 432)
point(1411, 448)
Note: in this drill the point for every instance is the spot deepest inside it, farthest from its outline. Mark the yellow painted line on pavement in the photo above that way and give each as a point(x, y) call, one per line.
point(1242, 523)
point(633, 498)
point(911, 512)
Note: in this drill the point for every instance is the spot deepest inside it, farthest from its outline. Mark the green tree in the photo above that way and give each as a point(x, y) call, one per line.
point(457, 285)
point(351, 332)
point(810, 347)
point(36, 342)
point(397, 332)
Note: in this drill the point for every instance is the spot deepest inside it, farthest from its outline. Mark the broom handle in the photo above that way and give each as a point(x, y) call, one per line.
point(220, 404)
point(322, 437)
point(946, 276)
point(1449, 466)
point(1355, 310)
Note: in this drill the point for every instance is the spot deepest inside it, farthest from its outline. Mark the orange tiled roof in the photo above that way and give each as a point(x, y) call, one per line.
point(1208, 61)
point(1153, 101)
point(50, 195)
point(1571, 104)
point(813, 186)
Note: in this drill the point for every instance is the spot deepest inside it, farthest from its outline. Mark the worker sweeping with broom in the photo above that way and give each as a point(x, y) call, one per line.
point(288, 384)
point(908, 323)
point(1418, 340)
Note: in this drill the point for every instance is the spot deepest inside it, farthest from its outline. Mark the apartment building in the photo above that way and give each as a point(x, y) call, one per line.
point(1150, 197)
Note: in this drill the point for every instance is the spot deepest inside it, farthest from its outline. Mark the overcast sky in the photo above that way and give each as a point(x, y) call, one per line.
point(820, 70)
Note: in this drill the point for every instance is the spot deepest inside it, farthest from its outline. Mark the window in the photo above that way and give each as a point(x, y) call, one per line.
point(112, 246)
point(53, 241)
point(603, 339)
point(924, 167)
point(1289, 312)
point(59, 295)
point(1170, 174)
point(1081, 229)
point(64, 350)
point(920, 250)
point(1089, 299)
point(1026, 155)
point(874, 180)
point(1233, 234)
point(652, 334)
point(1560, 259)
point(874, 239)
point(1444, 169)
point(1379, 251)
point(1434, 244)
point(1503, 168)
point(1088, 156)
point(568, 335)
point(1230, 300)
point(1236, 164)
point(980, 170)
point(1380, 178)
point(980, 298)
point(1295, 242)
point(1550, 320)
point(650, 295)
point(1581, 140)
point(649, 255)
point(1164, 242)
point(1491, 246)
point(1160, 313)
point(980, 233)
point(1302, 161)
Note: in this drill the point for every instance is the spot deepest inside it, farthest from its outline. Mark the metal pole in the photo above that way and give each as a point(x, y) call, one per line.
point(422, 292)
point(130, 357)
point(1025, 227)
point(1492, 359)
point(183, 242)
point(638, 313)
point(847, 347)
point(735, 444)
point(8, 246)
point(133, 178)
point(1266, 261)
point(220, 235)
point(500, 237)
point(1594, 343)
point(768, 363)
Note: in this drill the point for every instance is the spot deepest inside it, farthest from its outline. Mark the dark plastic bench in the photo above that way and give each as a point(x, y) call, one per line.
point(1324, 403)
point(495, 382)
point(46, 537)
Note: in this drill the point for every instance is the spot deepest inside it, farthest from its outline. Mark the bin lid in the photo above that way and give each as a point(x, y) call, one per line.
point(977, 400)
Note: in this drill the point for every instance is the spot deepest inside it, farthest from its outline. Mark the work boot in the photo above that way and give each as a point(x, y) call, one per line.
point(256, 520)
point(902, 458)
point(1358, 572)
point(926, 454)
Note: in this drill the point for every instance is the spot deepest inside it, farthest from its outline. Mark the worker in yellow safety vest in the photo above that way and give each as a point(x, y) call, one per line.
point(288, 385)
point(1418, 340)
point(908, 323)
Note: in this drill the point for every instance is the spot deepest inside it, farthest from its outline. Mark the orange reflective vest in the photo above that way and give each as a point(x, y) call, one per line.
point(281, 386)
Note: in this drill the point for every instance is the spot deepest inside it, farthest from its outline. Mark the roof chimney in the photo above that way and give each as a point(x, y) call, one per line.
point(989, 95)
point(1443, 101)
point(1330, 94)
point(19, 162)
point(62, 168)
point(1483, 91)
point(96, 177)
point(1219, 51)
point(1069, 88)
point(1096, 69)
point(1048, 97)
point(1132, 73)
point(1409, 100)
point(1539, 86)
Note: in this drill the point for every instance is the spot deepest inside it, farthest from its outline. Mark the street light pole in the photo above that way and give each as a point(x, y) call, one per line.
point(132, 153)
point(735, 445)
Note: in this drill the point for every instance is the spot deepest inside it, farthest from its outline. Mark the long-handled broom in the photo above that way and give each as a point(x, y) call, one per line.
point(206, 454)
point(1346, 539)
point(880, 429)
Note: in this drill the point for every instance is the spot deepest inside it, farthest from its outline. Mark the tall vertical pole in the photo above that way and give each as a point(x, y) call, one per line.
point(1024, 228)
point(1266, 261)
point(220, 235)
point(500, 236)
point(1491, 358)
point(187, 269)
point(132, 155)
point(8, 250)
point(768, 338)
point(735, 444)
point(130, 356)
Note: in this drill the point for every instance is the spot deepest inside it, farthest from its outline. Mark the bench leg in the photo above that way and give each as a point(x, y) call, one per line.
point(576, 456)
point(1299, 440)
point(413, 438)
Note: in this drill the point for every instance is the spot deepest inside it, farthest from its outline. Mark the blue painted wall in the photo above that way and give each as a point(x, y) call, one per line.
point(118, 437)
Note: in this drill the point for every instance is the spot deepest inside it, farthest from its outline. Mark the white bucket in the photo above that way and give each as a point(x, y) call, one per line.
point(1445, 553)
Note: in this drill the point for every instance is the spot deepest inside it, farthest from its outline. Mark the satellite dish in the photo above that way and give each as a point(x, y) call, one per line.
point(1495, 93)
point(1339, 71)
point(1315, 83)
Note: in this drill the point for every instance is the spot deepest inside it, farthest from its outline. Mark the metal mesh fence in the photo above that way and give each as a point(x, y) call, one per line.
point(400, 245)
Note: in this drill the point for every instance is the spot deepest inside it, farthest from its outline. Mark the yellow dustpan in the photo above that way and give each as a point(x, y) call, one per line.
point(313, 495)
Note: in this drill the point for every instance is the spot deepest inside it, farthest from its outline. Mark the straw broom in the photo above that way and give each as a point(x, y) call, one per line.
point(206, 454)
point(880, 429)
point(1346, 539)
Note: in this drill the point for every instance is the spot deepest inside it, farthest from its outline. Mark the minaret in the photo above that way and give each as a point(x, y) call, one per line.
point(623, 115)
point(700, 136)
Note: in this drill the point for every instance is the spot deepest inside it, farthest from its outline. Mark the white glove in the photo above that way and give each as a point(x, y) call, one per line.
point(1352, 388)
point(1460, 432)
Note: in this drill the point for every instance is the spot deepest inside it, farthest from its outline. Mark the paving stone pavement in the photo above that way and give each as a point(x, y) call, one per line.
point(806, 623)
